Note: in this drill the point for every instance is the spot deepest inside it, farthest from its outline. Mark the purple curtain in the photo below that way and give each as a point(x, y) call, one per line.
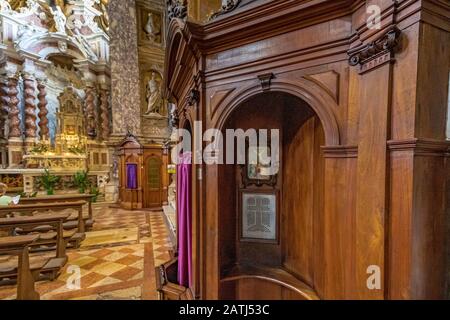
point(184, 217)
point(132, 182)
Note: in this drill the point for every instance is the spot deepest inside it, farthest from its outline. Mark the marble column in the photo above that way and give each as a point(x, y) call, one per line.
point(90, 112)
point(15, 141)
point(29, 87)
point(125, 90)
point(43, 111)
point(104, 110)
point(4, 108)
point(14, 120)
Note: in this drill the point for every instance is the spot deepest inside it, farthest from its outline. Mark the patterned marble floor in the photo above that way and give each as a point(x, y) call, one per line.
point(116, 261)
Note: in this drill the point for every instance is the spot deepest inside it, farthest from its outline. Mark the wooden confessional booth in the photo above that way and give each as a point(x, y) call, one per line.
point(143, 175)
point(359, 206)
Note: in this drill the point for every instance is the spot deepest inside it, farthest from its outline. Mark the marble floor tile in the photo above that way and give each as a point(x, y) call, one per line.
point(116, 261)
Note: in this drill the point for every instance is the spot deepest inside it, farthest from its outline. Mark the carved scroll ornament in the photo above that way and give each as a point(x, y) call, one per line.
point(227, 6)
point(377, 52)
point(176, 9)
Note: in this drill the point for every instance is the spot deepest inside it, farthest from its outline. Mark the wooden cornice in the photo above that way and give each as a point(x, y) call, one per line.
point(268, 19)
point(265, 21)
point(422, 147)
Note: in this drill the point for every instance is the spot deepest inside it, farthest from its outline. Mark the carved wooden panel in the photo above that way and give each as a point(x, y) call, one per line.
point(329, 81)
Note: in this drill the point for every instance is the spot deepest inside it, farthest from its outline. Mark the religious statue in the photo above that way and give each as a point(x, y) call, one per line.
point(103, 19)
point(24, 32)
point(60, 19)
point(154, 98)
point(152, 29)
point(31, 6)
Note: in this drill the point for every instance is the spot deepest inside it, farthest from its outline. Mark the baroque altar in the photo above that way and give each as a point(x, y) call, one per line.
point(54, 91)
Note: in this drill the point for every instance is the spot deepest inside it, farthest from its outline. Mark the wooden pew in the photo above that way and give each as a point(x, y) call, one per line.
point(89, 222)
point(52, 236)
point(166, 283)
point(19, 247)
point(30, 209)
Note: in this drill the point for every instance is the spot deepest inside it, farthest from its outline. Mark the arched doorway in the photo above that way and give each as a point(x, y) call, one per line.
point(270, 227)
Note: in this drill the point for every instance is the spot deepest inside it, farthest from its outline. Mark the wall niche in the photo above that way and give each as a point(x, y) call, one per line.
point(270, 231)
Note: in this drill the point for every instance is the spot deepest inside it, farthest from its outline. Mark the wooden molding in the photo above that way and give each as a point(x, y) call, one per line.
point(217, 98)
point(266, 80)
point(329, 81)
point(421, 147)
point(340, 151)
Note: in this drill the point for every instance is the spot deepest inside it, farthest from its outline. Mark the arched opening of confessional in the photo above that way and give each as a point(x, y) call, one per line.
point(270, 229)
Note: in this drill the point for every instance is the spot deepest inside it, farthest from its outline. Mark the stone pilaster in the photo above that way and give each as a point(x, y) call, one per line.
point(125, 99)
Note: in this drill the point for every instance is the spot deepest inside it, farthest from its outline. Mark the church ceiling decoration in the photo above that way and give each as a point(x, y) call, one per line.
point(76, 28)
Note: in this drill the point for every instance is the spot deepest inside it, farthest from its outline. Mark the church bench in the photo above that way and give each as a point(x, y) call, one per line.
point(51, 237)
point(19, 246)
point(89, 222)
point(166, 283)
point(30, 209)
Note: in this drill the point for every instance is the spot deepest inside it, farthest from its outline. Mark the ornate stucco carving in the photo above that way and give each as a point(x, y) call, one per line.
point(177, 9)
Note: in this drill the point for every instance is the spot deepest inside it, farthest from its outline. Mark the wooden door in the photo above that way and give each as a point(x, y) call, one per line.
point(153, 182)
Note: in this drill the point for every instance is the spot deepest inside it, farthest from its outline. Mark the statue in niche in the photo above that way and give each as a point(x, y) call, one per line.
point(152, 29)
point(154, 98)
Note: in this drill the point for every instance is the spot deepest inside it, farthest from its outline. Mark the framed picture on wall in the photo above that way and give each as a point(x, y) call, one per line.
point(256, 171)
point(259, 216)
